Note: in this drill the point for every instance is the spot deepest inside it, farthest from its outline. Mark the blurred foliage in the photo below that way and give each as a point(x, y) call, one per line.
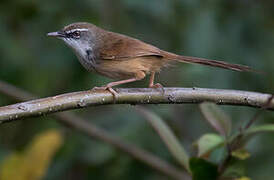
point(241, 154)
point(203, 170)
point(218, 119)
point(238, 31)
point(207, 143)
point(243, 178)
point(166, 134)
point(32, 164)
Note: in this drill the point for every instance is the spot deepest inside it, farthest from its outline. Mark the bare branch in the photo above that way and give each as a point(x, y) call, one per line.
point(87, 128)
point(83, 99)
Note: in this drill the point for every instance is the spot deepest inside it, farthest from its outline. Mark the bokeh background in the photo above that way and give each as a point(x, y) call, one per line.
point(237, 31)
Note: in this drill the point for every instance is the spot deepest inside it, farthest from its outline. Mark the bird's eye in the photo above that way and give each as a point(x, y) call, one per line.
point(76, 34)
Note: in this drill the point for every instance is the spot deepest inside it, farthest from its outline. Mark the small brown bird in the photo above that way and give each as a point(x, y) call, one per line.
point(121, 57)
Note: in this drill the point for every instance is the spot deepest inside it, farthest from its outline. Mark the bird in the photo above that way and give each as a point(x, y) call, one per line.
point(123, 58)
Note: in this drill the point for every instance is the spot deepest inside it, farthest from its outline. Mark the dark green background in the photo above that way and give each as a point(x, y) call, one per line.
point(237, 31)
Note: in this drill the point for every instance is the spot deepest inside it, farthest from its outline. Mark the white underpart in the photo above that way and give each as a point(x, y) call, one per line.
point(80, 48)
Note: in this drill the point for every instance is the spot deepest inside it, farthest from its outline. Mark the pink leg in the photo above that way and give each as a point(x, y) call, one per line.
point(121, 82)
point(151, 82)
point(110, 85)
point(151, 79)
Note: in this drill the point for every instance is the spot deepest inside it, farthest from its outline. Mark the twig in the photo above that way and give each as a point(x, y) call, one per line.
point(87, 128)
point(83, 99)
point(255, 117)
point(236, 142)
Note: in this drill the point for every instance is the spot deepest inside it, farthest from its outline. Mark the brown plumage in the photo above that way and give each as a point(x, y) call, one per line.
point(121, 57)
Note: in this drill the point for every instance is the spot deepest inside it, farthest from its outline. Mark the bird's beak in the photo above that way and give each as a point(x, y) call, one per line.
point(56, 34)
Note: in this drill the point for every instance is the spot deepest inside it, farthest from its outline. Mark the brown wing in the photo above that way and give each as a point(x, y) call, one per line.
point(117, 47)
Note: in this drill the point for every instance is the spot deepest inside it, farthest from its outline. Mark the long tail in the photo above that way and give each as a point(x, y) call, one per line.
point(207, 62)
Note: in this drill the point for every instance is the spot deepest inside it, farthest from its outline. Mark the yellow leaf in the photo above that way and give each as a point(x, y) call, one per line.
point(243, 178)
point(11, 165)
point(241, 154)
point(33, 163)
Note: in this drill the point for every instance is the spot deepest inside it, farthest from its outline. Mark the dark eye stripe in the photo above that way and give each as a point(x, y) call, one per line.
point(74, 34)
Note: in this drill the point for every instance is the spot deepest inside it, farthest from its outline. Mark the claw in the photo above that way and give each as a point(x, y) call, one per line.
point(109, 86)
point(109, 89)
point(158, 86)
point(113, 92)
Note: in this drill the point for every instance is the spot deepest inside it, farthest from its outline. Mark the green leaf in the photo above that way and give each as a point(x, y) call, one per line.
point(207, 143)
point(254, 130)
point(260, 129)
point(217, 118)
point(235, 168)
point(202, 169)
point(172, 143)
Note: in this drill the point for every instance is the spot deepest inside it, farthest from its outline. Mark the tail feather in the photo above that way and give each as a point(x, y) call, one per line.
point(214, 63)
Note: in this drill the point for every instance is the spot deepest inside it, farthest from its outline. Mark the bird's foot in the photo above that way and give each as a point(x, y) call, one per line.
point(158, 86)
point(109, 89)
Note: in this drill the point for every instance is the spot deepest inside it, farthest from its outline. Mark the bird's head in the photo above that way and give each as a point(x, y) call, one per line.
point(81, 37)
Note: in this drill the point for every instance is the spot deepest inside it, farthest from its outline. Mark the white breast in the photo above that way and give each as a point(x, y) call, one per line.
point(83, 51)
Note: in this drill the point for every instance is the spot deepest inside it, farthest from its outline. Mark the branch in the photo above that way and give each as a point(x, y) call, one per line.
point(87, 128)
point(83, 99)
point(137, 153)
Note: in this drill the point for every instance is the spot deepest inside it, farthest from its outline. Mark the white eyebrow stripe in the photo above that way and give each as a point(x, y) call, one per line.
point(73, 30)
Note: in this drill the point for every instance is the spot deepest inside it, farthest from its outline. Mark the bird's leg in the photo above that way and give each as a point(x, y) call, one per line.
point(110, 85)
point(138, 76)
point(151, 82)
